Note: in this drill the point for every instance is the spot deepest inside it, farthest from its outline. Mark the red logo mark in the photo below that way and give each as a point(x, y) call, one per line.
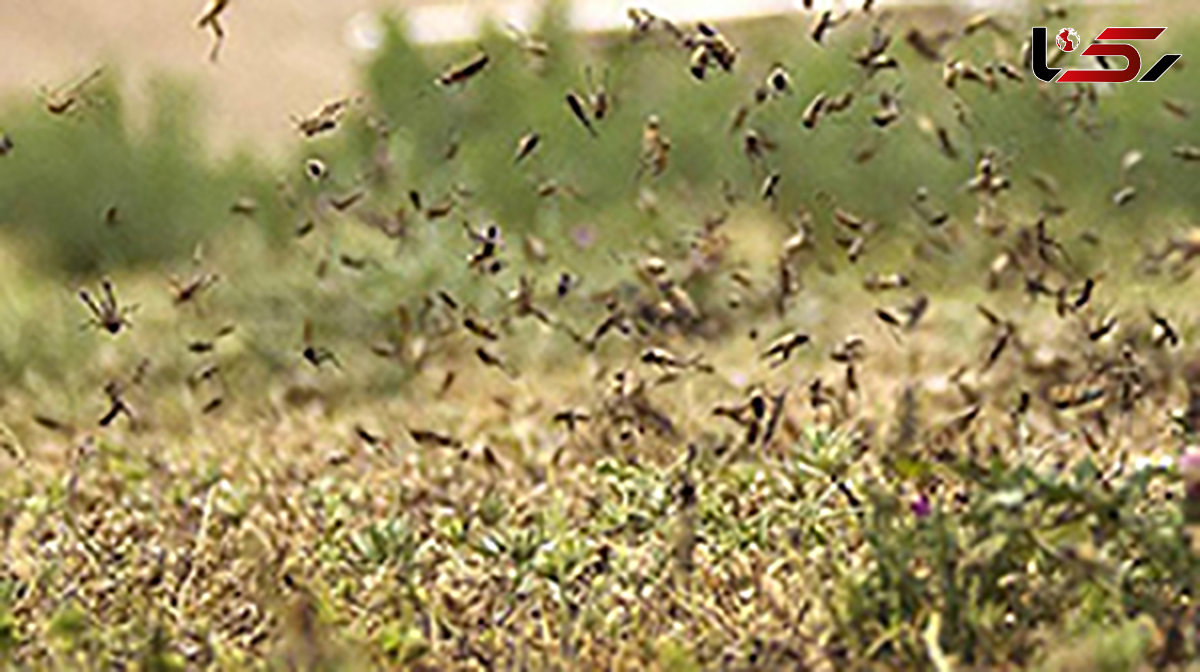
point(1068, 41)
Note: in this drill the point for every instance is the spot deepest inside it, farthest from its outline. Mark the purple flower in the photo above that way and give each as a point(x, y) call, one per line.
point(1189, 468)
point(920, 505)
point(583, 236)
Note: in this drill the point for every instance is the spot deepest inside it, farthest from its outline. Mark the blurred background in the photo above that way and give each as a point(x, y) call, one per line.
point(171, 165)
point(284, 58)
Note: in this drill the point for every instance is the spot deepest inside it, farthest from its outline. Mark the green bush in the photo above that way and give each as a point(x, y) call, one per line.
point(520, 92)
point(66, 173)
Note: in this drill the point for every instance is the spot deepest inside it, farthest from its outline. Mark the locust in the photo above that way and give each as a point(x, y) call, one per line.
point(107, 313)
point(782, 348)
point(314, 354)
point(325, 119)
point(462, 72)
point(210, 19)
point(70, 96)
point(577, 109)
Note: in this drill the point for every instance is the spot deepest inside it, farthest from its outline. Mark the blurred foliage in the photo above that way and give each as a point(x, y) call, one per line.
point(66, 172)
point(92, 190)
point(519, 92)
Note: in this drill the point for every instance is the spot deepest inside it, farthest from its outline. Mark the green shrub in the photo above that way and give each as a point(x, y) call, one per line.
point(66, 172)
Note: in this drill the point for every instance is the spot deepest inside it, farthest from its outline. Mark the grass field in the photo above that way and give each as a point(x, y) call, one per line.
point(907, 386)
